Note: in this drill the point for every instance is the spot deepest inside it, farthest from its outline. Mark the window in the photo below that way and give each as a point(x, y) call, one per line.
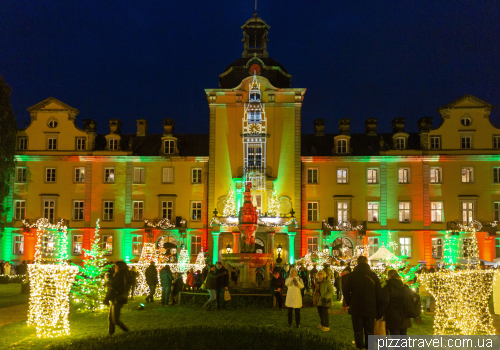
point(467, 175)
point(113, 144)
point(400, 143)
point(497, 247)
point(22, 143)
point(167, 210)
point(196, 175)
point(195, 245)
point(496, 210)
point(109, 175)
point(254, 117)
point(107, 244)
point(466, 247)
point(467, 211)
point(18, 247)
point(496, 141)
point(52, 123)
point(436, 175)
point(80, 174)
point(76, 244)
point(21, 174)
point(341, 146)
point(138, 210)
point(312, 176)
point(341, 176)
point(20, 213)
point(404, 212)
point(196, 211)
point(312, 212)
point(136, 245)
point(466, 120)
point(257, 202)
point(81, 144)
point(496, 175)
point(168, 146)
point(405, 246)
point(139, 175)
point(50, 175)
point(168, 175)
point(372, 245)
point(435, 142)
point(109, 212)
point(373, 211)
point(52, 144)
point(436, 211)
point(466, 142)
point(254, 156)
point(49, 208)
point(312, 244)
point(78, 210)
point(404, 175)
point(372, 176)
point(342, 211)
point(437, 248)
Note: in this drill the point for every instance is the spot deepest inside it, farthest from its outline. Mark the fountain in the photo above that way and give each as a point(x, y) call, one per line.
point(247, 260)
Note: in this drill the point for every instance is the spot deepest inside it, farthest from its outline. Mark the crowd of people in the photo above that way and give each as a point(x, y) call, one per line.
point(10, 268)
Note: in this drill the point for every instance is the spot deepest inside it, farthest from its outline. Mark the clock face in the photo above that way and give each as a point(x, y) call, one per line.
point(254, 128)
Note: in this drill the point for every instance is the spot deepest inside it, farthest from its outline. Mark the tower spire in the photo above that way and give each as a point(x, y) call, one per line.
point(255, 37)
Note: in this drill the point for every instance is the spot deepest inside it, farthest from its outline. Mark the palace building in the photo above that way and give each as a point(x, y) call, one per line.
point(372, 188)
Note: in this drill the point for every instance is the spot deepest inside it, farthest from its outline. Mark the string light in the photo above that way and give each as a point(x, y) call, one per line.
point(230, 205)
point(163, 223)
point(344, 226)
point(273, 207)
point(291, 222)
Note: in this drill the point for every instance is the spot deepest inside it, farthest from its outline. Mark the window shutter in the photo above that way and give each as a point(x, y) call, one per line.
point(137, 175)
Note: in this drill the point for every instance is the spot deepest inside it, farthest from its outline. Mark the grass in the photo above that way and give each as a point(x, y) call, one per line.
point(10, 294)
point(19, 336)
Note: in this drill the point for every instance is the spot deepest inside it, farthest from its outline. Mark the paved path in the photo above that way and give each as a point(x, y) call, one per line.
point(13, 314)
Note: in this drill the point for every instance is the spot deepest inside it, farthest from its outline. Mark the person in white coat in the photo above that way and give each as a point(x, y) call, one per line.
point(293, 296)
point(6, 269)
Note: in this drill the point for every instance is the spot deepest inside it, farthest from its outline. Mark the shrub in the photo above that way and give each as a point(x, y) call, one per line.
point(209, 338)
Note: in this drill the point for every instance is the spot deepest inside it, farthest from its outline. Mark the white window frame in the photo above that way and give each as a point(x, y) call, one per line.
point(312, 244)
point(138, 210)
point(52, 144)
point(167, 210)
point(404, 174)
point(404, 211)
point(341, 146)
point(78, 209)
point(139, 175)
point(50, 175)
point(108, 210)
point(196, 210)
point(77, 245)
point(137, 244)
point(108, 245)
point(373, 245)
point(342, 210)
point(467, 210)
point(195, 245)
point(400, 143)
point(405, 244)
point(496, 175)
point(168, 146)
point(373, 211)
point(109, 175)
point(18, 245)
point(20, 209)
point(22, 143)
point(168, 175)
point(436, 145)
point(49, 210)
point(113, 144)
point(465, 142)
point(21, 174)
point(81, 143)
point(79, 175)
point(196, 175)
point(312, 211)
point(312, 176)
point(342, 175)
point(372, 175)
point(496, 141)
point(437, 247)
point(257, 201)
point(496, 211)
point(436, 175)
point(467, 174)
point(437, 212)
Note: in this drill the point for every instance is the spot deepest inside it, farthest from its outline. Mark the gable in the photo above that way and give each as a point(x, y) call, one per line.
point(52, 103)
point(467, 101)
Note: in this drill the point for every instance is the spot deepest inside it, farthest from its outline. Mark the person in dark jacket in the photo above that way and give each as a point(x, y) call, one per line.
point(166, 279)
point(338, 284)
point(362, 294)
point(211, 286)
point(198, 280)
point(392, 304)
point(134, 274)
point(177, 287)
point(152, 281)
point(305, 280)
point(222, 286)
point(119, 288)
point(277, 284)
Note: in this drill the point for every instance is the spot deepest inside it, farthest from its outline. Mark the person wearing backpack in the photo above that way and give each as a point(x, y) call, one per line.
point(119, 289)
point(393, 304)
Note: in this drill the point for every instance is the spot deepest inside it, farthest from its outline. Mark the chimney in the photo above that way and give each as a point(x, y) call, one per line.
point(319, 127)
point(89, 125)
point(371, 126)
point(142, 127)
point(115, 126)
point(424, 127)
point(398, 125)
point(345, 126)
point(168, 126)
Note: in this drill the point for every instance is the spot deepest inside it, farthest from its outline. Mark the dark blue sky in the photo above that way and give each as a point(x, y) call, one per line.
point(153, 59)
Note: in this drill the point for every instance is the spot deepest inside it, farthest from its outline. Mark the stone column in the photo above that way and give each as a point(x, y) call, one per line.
point(215, 249)
point(270, 243)
point(291, 249)
point(266, 273)
point(236, 242)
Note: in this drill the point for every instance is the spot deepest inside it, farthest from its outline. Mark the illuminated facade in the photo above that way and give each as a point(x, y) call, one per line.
point(345, 188)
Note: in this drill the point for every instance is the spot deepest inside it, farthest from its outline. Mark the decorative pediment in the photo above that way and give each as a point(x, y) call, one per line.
point(261, 80)
point(51, 104)
point(467, 101)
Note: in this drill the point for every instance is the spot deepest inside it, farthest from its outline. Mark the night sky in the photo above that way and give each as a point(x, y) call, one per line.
point(153, 59)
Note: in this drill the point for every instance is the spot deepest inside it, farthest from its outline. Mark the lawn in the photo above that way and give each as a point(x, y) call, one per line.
point(10, 294)
point(18, 336)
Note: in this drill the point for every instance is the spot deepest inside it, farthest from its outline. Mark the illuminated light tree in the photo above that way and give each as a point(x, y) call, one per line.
point(89, 290)
point(273, 207)
point(450, 251)
point(230, 204)
point(183, 263)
